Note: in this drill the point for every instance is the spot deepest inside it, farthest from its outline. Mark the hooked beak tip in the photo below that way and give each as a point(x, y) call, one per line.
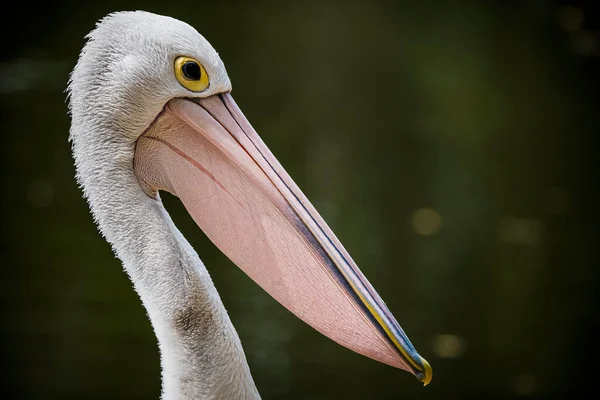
point(427, 374)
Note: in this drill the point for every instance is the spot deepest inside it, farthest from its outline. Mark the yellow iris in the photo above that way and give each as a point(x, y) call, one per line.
point(191, 74)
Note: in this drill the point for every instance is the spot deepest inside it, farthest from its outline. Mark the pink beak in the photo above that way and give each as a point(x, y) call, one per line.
point(205, 152)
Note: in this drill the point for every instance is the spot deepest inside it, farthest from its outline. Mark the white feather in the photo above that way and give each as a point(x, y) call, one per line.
point(121, 82)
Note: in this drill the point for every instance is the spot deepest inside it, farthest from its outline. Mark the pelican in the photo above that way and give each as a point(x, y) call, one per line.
point(151, 109)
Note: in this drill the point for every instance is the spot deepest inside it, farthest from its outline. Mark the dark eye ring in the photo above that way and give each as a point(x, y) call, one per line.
point(191, 70)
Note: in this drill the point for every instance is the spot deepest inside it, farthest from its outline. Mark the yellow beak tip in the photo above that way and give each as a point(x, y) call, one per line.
point(427, 373)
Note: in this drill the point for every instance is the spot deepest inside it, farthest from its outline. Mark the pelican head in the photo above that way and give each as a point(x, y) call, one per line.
point(152, 110)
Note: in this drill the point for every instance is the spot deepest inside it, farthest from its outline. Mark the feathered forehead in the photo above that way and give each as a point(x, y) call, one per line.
point(140, 32)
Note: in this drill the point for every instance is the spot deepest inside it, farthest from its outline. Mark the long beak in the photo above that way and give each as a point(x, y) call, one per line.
point(206, 153)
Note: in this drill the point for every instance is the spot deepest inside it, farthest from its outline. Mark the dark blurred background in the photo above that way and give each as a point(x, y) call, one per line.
point(452, 146)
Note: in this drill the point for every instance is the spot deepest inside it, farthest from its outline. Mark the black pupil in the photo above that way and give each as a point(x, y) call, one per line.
point(191, 70)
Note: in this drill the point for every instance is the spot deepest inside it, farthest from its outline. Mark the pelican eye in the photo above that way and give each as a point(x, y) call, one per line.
point(191, 74)
point(192, 71)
